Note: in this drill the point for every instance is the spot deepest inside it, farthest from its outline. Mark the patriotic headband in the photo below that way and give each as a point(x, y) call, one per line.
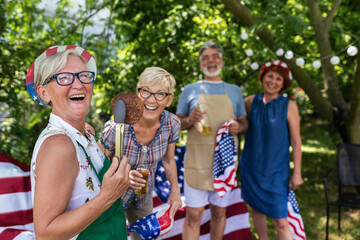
point(33, 70)
point(275, 63)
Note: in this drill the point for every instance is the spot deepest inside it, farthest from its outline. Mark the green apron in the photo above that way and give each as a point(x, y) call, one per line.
point(111, 224)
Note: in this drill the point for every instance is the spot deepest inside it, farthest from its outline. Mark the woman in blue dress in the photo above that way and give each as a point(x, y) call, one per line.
point(274, 125)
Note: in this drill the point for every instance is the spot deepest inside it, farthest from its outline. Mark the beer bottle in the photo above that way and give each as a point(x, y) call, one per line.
point(205, 122)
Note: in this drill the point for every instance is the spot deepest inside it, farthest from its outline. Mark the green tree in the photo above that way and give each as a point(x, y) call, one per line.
point(139, 34)
point(313, 29)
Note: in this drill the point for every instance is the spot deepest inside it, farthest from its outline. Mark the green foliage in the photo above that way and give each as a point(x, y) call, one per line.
point(138, 34)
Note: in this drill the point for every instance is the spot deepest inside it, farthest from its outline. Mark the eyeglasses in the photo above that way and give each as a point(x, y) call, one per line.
point(215, 56)
point(158, 96)
point(67, 78)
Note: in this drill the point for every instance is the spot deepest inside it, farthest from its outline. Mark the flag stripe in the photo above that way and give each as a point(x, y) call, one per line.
point(10, 233)
point(237, 221)
point(15, 184)
point(297, 221)
point(238, 234)
point(15, 201)
point(21, 217)
point(296, 232)
point(5, 158)
point(229, 179)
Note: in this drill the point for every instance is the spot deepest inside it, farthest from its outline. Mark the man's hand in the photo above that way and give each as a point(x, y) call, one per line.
point(188, 122)
point(195, 116)
point(239, 126)
point(234, 128)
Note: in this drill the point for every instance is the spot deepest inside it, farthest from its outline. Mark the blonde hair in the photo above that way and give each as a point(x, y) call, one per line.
point(155, 75)
point(51, 65)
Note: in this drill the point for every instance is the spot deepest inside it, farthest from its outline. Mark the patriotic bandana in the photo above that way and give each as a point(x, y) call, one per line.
point(32, 72)
point(276, 63)
point(224, 160)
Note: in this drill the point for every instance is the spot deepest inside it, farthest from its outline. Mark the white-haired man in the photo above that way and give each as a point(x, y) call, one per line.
point(221, 102)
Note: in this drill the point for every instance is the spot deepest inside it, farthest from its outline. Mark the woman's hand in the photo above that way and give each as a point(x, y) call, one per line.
point(175, 201)
point(136, 180)
point(116, 180)
point(295, 181)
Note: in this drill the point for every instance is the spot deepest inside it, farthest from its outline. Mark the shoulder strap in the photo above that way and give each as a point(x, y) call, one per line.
point(89, 159)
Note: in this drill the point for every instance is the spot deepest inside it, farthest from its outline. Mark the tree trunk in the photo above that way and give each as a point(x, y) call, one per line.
point(333, 107)
point(321, 104)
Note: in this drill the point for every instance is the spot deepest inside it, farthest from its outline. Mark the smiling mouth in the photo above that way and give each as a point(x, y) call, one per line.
point(212, 67)
point(272, 87)
point(77, 97)
point(150, 108)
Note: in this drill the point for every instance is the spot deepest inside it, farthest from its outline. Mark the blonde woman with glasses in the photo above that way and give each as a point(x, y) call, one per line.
point(149, 140)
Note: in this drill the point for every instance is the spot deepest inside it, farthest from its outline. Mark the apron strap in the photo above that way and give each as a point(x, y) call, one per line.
point(203, 86)
point(97, 139)
point(88, 158)
point(224, 88)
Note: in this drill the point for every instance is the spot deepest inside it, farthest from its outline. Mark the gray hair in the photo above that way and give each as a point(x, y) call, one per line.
point(210, 44)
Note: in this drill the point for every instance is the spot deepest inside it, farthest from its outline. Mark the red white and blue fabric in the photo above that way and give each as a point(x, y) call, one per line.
point(16, 221)
point(294, 218)
point(33, 70)
point(225, 156)
point(16, 214)
point(154, 225)
point(277, 63)
point(237, 216)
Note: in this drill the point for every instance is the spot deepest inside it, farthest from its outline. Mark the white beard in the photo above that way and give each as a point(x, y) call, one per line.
point(212, 74)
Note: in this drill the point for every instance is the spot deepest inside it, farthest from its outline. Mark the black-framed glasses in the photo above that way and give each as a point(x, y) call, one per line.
point(158, 95)
point(67, 78)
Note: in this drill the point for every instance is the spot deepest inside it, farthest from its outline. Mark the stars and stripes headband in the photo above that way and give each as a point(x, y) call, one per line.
point(33, 70)
point(276, 63)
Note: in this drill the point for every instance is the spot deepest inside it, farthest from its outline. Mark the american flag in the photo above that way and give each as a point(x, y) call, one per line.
point(16, 209)
point(237, 222)
point(225, 157)
point(294, 218)
point(16, 220)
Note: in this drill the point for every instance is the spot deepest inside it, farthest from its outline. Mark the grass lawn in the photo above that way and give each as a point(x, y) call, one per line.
point(319, 155)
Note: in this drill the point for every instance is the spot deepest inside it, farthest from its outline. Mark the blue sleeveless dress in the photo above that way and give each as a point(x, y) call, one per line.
point(265, 159)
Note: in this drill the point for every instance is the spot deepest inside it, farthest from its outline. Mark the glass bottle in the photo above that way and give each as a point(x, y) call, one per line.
point(206, 129)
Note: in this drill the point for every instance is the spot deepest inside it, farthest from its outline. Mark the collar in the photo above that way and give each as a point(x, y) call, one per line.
point(206, 81)
point(69, 130)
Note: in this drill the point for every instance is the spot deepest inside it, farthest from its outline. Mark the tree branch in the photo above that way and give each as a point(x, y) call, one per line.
point(302, 77)
point(332, 13)
point(85, 20)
